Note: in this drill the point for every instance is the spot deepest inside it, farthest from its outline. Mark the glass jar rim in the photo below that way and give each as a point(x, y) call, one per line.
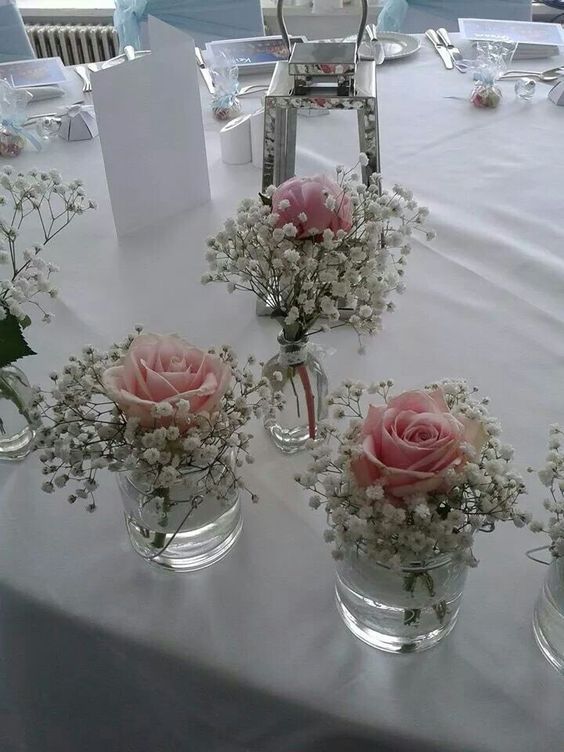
point(287, 342)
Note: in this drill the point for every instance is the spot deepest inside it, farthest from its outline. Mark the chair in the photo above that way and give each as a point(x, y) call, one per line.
point(14, 42)
point(203, 20)
point(415, 16)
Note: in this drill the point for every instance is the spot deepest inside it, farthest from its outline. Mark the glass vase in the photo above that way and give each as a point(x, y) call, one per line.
point(16, 433)
point(399, 611)
point(548, 616)
point(185, 528)
point(299, 375)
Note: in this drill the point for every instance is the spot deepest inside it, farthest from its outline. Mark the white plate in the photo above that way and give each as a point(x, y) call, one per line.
point(396, 45)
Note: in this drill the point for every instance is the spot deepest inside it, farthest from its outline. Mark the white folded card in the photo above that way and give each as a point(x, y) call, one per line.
point(150, 124)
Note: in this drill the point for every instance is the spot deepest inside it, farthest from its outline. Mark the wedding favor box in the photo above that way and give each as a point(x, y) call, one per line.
point(79, 124)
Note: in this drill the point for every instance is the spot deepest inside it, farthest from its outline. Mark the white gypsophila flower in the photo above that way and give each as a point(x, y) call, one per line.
point(398, 530)
point(308, 274)
point(83, 431)
point(552, 476)
point(54, 205)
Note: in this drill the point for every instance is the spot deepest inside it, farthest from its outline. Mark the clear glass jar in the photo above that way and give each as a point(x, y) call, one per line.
point(399, 611)
point(191, 528)
point(548, 616)
point(299, 375)
point(16, 433)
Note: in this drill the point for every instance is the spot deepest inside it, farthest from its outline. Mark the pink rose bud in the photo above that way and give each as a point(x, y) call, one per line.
point(408, 444)
point(160, 369)
point(313, 198)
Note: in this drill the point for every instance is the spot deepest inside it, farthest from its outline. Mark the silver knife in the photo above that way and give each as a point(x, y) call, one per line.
point(454, 51)
point(377, 46)
point(204, 70)
point(441, 49)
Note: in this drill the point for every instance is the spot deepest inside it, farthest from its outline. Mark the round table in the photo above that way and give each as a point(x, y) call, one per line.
point(102, 652)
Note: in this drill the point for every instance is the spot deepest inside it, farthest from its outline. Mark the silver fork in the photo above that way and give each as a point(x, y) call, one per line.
point(81, 73)
point(252, 89)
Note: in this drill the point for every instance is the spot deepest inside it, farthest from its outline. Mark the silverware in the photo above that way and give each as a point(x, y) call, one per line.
point(252, 89)
point(66, 108)
point(440, 48)
point(453, 51)
point(377, 46)
point(546, 77)
point(80, 71)
point(204, 70)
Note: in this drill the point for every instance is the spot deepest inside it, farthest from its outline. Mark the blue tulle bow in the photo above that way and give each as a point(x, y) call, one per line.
point(127, 15)
point(205, 20)
point(392, 15)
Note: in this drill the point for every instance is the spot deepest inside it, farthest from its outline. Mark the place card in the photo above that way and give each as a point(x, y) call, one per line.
point(149, 118)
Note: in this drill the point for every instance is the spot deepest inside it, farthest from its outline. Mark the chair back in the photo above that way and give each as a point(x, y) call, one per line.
point(415, 16)
point(14, 42)
point(203, 20)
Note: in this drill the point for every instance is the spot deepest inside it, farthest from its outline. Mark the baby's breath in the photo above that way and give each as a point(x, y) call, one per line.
point(82, 431)
point(305, 279)
point(552, 476)
point(54, 205)
point(482, 492)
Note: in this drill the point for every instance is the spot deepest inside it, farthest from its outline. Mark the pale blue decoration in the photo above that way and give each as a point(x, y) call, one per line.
point(13, 103)
point(14, 42)
point(415, 16)
point(203, 20)
point(392, 15)
point(127, 15)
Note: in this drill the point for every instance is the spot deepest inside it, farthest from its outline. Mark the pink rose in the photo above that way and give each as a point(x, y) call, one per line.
point(164, 369)
point(307, 210)
point(410, 442)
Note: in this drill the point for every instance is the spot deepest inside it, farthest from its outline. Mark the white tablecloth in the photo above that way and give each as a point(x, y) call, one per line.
point(99, 651)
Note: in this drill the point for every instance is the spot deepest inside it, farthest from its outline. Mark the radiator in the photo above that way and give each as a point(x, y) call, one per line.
point(74, 43)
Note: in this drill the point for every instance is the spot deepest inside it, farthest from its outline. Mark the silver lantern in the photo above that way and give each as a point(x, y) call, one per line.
point(318, 75)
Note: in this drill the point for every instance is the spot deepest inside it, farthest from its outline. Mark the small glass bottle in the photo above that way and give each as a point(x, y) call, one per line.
point(296, 372)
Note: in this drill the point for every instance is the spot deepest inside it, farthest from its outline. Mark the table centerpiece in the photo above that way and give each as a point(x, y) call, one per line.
point(53, 204)
point(170, 420)
point(548, 614)
point(320, 253)
point(405, 489)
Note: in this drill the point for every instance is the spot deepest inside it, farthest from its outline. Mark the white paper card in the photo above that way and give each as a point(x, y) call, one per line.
point(150, 124)
point(524, 32)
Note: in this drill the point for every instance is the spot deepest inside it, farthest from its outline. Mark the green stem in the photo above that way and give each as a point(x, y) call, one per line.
point(441, 610)
point(411, 616)
point(7, 391)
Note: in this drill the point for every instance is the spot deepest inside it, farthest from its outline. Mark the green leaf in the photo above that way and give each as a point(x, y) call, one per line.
point(12, 343)
point(24, 323)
